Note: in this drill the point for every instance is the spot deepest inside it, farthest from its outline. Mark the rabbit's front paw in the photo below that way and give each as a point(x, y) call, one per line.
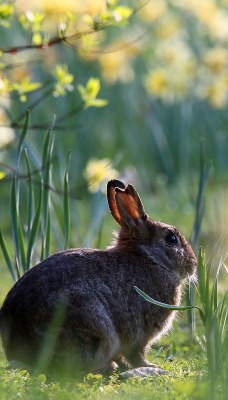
point(110, 368)
point(137, 360)
point(149, 364)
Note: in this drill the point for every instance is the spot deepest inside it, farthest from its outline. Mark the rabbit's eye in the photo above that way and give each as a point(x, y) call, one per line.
point(171, 239)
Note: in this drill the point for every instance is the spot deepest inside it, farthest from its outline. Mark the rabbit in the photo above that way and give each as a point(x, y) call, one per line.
point(78, 310)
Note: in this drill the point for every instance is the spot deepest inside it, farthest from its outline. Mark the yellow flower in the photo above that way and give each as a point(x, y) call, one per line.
point(218, 27)
point(2, 175)
point(115, 66)
point(204, 10)
point(173, 81)
point(168, 27)
point(98, 172)
point(60, 7)
point(215, 93)
point(88, 45)
point(208, 13)
point(4, 85)
point(6, 133)
point(174, 51)
point(153, 11)
point(157, 82)
point(216, 59)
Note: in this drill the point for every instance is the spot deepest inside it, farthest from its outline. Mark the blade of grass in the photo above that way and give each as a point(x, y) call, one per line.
point(214, 295)
point(14, 203)
point(224, 315)
point(222, 323)
point(203, 179)
point(199, 209)
point(48, 235)
point(203, 281)
point(46, 178)
point(201, 271)
point(45, 196)
point(168, 306)
point(14, 223)
point(16, 228)
point(7, 257)
point(171, 352)
point(34, 230)
point(21, 245)
point(66, 208)
point(57, 221)
point(22, 138)
point(30, 195)
point(190, 297)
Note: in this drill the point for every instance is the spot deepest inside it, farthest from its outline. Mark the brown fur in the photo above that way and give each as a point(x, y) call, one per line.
point(78, 310)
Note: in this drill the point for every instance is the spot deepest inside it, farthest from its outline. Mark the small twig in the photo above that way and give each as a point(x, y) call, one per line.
point(52, 42)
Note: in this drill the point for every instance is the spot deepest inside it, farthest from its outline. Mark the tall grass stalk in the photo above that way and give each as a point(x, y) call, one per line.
point(46, 181)
point(31, 211)
point(66, 207)
point(197, 225)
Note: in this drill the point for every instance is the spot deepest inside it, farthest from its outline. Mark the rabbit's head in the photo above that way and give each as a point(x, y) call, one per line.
point(161, 243)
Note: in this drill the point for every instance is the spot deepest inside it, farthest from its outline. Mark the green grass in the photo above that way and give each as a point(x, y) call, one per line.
point(185, 380)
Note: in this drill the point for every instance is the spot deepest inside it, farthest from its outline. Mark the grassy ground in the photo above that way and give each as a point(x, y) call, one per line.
point(185, 378)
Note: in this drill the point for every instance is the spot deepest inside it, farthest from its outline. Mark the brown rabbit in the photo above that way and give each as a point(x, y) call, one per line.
point(78, 310)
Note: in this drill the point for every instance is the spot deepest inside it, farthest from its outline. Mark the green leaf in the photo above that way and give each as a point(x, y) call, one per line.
point(7, 257)
point(202, 278)
point(34, 230)
point(97, 103)
point(199, 207)
point(21, 245)
point(93, 87)
point(30, 195)
point(16, 228)
point(64, 80)
point(14, 222)
point(171, 352)
point(82, 91)
point(46, 178)
point(122, 13)
point(22, 137)
point(20, 258)
point(90, 92)
point(111, 3)
point(6, 10)
point(66, 208)
point(48, 236)
point(168, 306)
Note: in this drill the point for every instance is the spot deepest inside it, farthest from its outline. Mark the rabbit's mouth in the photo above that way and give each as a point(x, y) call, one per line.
point(190, 269)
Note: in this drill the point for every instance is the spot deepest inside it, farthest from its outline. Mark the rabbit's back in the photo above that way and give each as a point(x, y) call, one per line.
point(107, 274)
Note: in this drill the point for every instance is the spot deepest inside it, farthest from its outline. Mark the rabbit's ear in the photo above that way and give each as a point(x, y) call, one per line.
point(111, 196)
point(129, 206)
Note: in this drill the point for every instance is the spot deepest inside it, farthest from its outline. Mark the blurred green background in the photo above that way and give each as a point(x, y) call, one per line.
point(164, 73)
